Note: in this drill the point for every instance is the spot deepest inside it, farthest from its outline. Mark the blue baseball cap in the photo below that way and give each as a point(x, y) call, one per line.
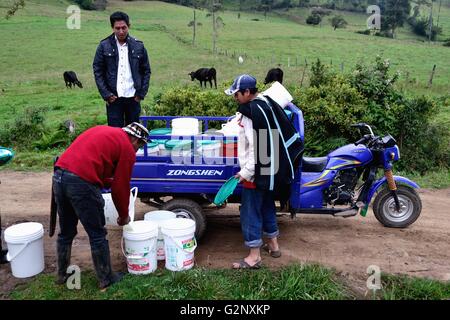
point(242, 82)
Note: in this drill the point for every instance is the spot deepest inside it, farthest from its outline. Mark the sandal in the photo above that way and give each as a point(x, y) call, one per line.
point(272, 253)
point(242, 264)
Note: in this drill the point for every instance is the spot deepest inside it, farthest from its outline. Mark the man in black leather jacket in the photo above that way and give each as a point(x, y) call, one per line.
point(122, 72)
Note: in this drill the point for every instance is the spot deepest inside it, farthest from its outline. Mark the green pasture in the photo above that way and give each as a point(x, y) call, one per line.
point(39, 48)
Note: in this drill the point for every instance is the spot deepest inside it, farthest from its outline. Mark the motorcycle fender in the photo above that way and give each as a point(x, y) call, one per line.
point(382, 181)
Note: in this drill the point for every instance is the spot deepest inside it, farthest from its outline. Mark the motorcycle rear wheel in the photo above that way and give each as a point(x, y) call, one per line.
point(410, 207)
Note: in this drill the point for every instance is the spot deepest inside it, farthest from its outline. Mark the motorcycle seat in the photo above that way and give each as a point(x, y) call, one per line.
point(314, 164)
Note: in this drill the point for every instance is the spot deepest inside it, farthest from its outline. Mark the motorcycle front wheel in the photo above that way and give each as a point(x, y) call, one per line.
point(386, 213)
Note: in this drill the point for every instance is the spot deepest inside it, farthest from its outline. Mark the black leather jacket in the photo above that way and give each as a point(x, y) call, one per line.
point(106, 63)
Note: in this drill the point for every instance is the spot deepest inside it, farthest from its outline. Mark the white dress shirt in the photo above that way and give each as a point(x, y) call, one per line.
point(125, 84)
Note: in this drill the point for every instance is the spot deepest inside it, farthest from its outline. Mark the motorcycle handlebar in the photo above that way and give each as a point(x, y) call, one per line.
point(363, 139)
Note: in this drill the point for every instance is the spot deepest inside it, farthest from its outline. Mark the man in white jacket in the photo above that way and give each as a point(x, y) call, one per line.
point(257, 214)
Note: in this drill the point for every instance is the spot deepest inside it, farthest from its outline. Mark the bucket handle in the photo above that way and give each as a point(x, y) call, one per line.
point(182, 249)
point(133, 256)
point(8, 256)
point(135, 190)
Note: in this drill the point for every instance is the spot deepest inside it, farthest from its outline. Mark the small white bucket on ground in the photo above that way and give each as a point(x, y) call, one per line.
point(25, 249)
point(159, 216)
point(110, 210)
point(140, 246)
point(179, 243)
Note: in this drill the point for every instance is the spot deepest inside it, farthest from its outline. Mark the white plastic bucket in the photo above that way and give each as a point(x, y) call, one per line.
point(152, 151)
point(140, 246)
point(185, 126)
point(163, 151)
point(279, 94)
point(110, 210)
point(179, 243)
point(210, 150)
point(159, 216)
point(25, 249)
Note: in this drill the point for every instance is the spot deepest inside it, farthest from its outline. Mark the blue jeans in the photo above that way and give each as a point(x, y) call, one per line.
point(258, 216)
point(76, 200)
point(122, 112)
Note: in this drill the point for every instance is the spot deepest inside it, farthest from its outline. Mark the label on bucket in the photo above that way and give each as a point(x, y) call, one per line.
point(188, 262)
point(138, 265)
point(160, 250)
point(188, 244)
point(139, 262)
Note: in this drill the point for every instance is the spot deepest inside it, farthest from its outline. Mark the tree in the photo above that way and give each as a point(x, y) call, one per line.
point(193, 24)
point(216, 21)
point(303, 3)
point(16, 6)
point(393, 14)
point(338, 22)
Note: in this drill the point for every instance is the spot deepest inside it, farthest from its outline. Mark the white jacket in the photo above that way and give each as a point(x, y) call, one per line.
point(246, 154)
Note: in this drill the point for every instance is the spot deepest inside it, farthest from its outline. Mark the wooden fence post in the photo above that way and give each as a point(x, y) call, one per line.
point(431, 76)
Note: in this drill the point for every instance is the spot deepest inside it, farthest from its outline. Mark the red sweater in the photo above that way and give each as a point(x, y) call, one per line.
point(103, 156)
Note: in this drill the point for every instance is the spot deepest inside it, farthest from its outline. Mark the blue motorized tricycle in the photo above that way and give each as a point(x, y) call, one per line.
point(342, 184)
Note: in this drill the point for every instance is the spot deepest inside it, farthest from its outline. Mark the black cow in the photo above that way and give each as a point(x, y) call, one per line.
point(70, 78)
point(275, 74)
point(203, 75)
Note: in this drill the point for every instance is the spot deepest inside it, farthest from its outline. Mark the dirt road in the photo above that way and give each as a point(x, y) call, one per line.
point(349, 245)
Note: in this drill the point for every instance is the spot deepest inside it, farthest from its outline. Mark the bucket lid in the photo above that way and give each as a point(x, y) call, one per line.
point(160, 141)
point(177, 224)
point(171, 144)
point(225, 191)
point(152, 144)
point(161, 131)
point(184, 121)
point(159, 215)
point(24, 232)
point(139, 230)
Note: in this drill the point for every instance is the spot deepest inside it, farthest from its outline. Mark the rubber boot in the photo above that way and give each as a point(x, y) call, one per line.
point(2, 252)
point(3, 256)
point(102, 263)
point(64, 252)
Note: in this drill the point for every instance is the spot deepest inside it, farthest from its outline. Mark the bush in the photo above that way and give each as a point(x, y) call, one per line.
point(333, 102)
point(193, 101)
point(28, 131)
point(24, 129)
point(421, 27)
point(320, 74)
point(338, 22)
point(365, 32)
point(92, 4)
point(329, 109)
point(313, 19)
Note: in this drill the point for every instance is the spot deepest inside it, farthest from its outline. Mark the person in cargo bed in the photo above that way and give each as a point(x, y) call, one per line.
point(101, 157)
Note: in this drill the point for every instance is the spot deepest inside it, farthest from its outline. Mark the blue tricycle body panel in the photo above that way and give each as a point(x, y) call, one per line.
point(192, 175)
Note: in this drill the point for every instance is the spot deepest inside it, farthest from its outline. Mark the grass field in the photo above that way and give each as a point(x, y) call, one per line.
point(40, 48)
point(294, 282)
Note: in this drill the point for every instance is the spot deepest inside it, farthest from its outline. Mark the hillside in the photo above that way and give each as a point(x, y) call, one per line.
point(40, 48)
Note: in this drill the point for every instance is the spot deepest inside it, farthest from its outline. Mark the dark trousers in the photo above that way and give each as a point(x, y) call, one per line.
point(122, 112)
point(78, 200)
